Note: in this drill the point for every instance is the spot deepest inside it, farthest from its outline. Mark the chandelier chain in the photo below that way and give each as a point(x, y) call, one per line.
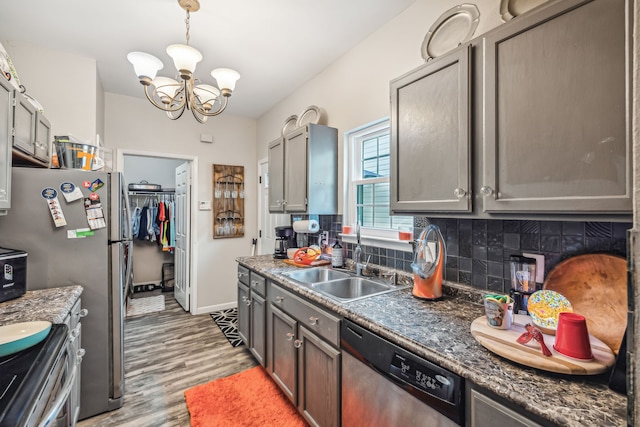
point(188, 25)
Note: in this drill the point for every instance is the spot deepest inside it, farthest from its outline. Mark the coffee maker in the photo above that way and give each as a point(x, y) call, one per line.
point(285, 239)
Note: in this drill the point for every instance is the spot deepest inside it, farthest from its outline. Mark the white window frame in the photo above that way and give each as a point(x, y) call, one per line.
point(383, 238)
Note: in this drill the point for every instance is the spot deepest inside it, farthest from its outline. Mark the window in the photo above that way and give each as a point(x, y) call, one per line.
point(367, 198)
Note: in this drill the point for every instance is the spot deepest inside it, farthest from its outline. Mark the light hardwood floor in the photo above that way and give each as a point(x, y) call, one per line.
point(166, 353)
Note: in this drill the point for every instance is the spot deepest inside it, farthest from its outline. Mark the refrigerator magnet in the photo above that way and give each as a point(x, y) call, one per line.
point(95, 213)
point(51, 196)
point(96, 184)
point(70, 192)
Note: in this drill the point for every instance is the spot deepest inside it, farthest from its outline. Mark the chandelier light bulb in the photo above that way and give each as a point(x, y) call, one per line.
point(206, 94)
point(185, 58)
point(226, 79)
point(145, 65)
point(166, 88)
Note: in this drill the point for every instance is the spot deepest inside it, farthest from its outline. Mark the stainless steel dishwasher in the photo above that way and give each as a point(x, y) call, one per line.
point(384, 385)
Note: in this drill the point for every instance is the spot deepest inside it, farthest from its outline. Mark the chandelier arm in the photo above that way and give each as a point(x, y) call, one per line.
point(223, 105)
point(179, 115)
point(181, 105)
point(198, 118)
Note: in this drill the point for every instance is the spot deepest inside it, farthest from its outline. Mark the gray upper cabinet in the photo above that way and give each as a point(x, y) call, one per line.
point(24, 122)
point(6, 126)
point(430, 136)
point(557, 135)
point(276, 176)
point(303, 171)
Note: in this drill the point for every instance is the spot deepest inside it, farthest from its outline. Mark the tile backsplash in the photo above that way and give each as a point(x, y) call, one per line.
point(478, 250)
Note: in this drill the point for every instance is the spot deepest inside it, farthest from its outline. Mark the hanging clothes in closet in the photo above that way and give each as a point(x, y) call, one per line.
point(153, 220)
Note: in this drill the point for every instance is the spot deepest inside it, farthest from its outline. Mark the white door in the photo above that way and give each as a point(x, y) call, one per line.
point(182, 287)
point(267, 222)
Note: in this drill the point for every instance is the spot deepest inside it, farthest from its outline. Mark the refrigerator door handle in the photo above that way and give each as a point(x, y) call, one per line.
point(118, 300)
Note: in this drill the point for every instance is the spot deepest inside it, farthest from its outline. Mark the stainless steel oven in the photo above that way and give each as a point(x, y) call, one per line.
point(384, 385)
point(36, 384)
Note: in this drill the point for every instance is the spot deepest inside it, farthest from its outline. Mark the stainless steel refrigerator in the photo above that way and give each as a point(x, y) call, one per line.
point(75, 227)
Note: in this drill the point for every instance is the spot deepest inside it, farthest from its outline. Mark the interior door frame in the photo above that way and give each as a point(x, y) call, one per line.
point(193, 208)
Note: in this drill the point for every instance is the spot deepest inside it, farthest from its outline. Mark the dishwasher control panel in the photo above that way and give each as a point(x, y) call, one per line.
point(423, 377)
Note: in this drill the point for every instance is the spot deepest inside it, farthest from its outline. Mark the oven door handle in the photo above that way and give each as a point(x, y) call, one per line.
point(65, 391)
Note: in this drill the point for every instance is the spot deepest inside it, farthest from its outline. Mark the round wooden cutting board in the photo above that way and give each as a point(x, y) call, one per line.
point(503, 343)
point(596, 286)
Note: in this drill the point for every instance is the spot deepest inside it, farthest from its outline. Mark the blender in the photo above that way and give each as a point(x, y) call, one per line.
point(523, 281)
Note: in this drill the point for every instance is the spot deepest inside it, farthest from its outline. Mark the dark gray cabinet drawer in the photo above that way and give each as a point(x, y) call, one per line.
point(313, 318)
point(243, 275)
point(257, 284)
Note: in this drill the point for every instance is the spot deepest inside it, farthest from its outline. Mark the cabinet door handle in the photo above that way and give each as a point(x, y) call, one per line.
point(486, 191)
point(279, 299)
point(297, 343)
point(459, 192)
point(289, 336)
point(83, 312)
point(313, 321)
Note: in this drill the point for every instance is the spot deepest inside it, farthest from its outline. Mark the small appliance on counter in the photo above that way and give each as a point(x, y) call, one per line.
point(13, 282)
point(285, 239)
point(428, 264)
point(523, 281)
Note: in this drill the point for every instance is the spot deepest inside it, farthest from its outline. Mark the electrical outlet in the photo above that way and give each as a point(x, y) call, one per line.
point(539, 265)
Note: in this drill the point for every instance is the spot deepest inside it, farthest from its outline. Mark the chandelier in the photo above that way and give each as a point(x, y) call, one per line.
point(187, 93)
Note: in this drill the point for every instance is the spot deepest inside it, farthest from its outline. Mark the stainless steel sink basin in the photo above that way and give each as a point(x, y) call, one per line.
point(352, 288)
point(316, 275)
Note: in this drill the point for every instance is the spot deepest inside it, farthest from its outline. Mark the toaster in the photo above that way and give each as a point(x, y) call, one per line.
point(13, 273)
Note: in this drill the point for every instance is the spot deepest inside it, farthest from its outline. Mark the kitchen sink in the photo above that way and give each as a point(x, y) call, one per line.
point(352, 288)
point(316, 275)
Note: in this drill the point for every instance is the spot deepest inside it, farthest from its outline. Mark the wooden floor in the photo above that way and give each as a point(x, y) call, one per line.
point(166, 353)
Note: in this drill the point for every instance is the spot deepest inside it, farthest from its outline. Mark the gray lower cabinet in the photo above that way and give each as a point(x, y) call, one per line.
point(243, 313)
point(430, 136)
point(73, 322)
point(304, 355)
point(557, 136)
point(303, 171)
point(243, 307)
point(485, 411)
point(258, 319)
point(252, 312)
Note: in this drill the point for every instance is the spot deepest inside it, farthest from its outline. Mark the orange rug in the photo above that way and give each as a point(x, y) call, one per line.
point(246, 399)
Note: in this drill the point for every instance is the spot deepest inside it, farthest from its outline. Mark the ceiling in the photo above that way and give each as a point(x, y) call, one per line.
point(275, 45)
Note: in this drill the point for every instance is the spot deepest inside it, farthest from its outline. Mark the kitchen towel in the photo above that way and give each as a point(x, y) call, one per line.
point(307, 226)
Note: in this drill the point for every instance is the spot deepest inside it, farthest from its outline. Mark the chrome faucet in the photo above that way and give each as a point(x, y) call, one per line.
point(357, 252)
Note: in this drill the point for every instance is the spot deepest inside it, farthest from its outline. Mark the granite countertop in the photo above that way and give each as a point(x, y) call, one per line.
point(51, 305)
point(439, 331)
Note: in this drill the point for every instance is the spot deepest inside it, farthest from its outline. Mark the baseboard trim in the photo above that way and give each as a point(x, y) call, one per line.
point(216, 307)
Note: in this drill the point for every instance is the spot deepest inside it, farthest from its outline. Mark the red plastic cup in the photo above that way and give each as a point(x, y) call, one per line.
point(572, 336)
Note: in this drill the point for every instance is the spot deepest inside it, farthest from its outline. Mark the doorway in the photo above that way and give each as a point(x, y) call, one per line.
point(267, 222)
point(151, 258)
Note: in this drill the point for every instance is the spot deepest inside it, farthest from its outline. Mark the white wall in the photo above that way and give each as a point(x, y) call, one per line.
point(354, 90)
point(134, 124)
point(66, 85)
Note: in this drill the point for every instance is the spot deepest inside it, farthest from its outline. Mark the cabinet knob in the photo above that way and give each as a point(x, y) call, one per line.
point(279, 299)
point(80, 354)
point(297, 343)
point(254, 283)
point(459, 192)
point(248, 301)
point(486, 191)
point(289, 336)
point(313, 321)
point(83, 312)
point(244, 298)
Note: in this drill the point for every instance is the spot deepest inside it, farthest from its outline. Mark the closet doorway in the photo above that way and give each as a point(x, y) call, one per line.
point(162, 259)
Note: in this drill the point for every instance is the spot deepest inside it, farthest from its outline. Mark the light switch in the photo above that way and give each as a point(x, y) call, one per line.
point(205, 205)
